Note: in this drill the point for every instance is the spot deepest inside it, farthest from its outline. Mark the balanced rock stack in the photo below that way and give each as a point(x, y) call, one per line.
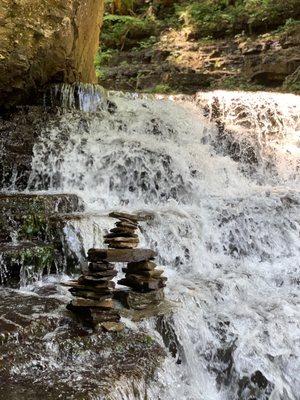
point(123, 236)
point(94, 290)
point(143, 277)
point(93, 293)
point(140, 275)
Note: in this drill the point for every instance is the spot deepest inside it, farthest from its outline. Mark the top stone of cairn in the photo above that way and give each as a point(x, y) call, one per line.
point(141, 216)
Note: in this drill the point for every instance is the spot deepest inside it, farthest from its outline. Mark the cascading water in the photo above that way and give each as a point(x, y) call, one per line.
point(226, 202)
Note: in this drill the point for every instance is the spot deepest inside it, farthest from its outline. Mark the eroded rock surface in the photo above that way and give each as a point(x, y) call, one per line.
point(45, 354)
point(44, 41)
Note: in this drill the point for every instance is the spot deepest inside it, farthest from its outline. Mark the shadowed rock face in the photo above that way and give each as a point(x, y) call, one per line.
point(44, 41)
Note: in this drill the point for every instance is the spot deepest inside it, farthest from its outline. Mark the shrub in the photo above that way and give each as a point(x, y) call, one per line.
point(123, 31)
point(220, 18)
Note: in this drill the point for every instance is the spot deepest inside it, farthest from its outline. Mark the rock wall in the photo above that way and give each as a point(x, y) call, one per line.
point(44, 41)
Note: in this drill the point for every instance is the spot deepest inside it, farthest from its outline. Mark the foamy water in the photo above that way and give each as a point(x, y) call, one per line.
point(226, 202)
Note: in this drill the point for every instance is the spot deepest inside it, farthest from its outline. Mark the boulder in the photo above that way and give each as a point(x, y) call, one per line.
point(139, 301)
point(43, 41)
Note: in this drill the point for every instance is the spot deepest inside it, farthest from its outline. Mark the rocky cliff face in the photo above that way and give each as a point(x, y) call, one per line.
point(44, 41)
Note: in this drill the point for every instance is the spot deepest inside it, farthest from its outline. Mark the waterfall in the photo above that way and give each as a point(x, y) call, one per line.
point(220, 172)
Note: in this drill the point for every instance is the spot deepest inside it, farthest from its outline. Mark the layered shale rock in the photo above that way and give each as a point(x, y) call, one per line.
point(35, 330)
point(44, 41)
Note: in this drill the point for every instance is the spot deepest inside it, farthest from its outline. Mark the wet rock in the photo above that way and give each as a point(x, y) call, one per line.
point(121, 239)
point(29, 216)
point(123, 231)
point(131, 218)
point(120, 255)
point(100, 267)
point(97, 287)
point(139, 301)
point(23, 263)
point(121, 242)
point(148, 274)
point(254, 387)
point(140, 266)
point(124, 216)
point(112, 326)
point(120, 232)
point(165, 326)
point(126, 224)
point(143, 284)
point(107, 303)
point(35, 330)
point(18, 134)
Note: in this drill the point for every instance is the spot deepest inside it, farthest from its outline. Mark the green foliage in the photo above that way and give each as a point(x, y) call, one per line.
point(161, 88)
point(123, 31)
point(221, 18)
point(34, 225)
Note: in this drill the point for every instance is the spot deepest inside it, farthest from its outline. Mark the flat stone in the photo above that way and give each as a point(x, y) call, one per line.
point(95, 288)
point(124, 234)
point(86, 294)
point(148, 274)
point(126, 224)
point(122, 215)
point(143, 284)
point(139, 216)
point(100, 267)
point(92, 280)
point(141, 266)
point(121, 255)
point(102, 274)
point(81, 302)
point(139, 301)
point(123, 230)
point(122, 245)
point(113, 326)
point(122, 239)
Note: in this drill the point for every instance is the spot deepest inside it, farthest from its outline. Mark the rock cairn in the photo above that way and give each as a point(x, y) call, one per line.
point(123, 236)
point(93, 293)
point(94, 290)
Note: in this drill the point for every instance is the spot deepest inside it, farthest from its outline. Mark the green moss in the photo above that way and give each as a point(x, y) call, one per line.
point(34, 225)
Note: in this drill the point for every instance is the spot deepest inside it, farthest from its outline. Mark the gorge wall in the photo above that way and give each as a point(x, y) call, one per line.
point(44, 41)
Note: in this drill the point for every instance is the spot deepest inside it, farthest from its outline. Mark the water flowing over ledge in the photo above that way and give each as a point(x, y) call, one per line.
point(220, 172)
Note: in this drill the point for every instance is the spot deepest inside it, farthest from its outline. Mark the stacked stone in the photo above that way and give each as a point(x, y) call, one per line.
point(93, 293)
point(123, 236)
point(141, 276)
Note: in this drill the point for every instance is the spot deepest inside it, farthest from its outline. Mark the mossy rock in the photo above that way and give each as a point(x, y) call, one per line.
point(25, 262)
point(27, 215)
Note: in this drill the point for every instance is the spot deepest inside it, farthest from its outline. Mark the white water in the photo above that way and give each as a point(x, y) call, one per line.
point(226, 227)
